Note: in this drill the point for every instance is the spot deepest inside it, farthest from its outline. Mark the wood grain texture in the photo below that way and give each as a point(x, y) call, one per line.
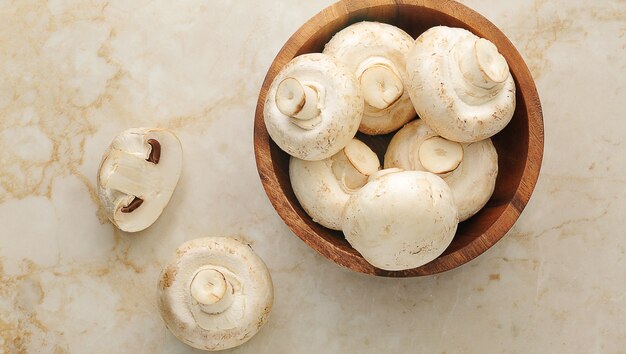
point(519, 145)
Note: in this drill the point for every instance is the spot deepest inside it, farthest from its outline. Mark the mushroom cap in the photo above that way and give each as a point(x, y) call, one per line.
point(364, 41)
point(340, 105)
point(125, 174)
point(454, 108)
point(472, 182)
point(401, 220)
point(323, 187)
point(253, 294)
point(318, 191)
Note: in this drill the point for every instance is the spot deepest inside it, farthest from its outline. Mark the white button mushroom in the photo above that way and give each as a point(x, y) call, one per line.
point(323, 187)
point(469, 169)
point(376, 54)
point(137, 176)
point(313, 107)
point(401, 219)
point(215, 294)
point(460, 84)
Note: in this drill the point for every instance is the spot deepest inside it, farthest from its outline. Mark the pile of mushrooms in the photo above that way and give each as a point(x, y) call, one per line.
point(439, 169)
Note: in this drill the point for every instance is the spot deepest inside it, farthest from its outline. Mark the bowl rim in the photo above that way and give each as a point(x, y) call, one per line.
point(528, 92)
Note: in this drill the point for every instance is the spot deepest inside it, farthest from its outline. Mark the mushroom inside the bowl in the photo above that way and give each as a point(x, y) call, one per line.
point(470, 169)
point(401, 219)
point(460, 84)
point(137, 176)
point(376, 53)
point(215, 294)
point(313, 107)
point(323, 187)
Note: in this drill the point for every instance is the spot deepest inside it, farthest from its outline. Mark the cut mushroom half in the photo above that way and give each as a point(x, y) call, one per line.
point(137, 176)
point(313, 107)
point(323, 187)
point(215, 294)
point(470, 169)
point(460, 84)
point(376, 53)
point(401, 219)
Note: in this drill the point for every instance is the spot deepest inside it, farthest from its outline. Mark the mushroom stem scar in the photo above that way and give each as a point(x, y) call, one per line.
point(211, 290)
point(439, 155)
point(296, 100)
point(381, 86)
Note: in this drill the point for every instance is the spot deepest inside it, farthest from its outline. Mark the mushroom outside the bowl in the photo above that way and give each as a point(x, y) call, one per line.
point(137, 176)
point(215, 294)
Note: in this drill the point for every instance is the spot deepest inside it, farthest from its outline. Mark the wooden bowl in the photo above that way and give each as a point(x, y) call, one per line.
point(519, 145)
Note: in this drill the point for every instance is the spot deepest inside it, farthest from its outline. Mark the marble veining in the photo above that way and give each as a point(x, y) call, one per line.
point(74, 73)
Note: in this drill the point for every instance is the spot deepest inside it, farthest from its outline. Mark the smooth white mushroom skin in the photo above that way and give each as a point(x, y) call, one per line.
point(215, 294)
point(459, 84)
point(472, 180)
point(323, 187)
point(401, 220)
point(137, 176)
point(313, 107)
point(376, 53)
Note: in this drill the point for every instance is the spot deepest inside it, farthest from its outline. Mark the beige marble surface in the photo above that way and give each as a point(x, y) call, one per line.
point(73, 73)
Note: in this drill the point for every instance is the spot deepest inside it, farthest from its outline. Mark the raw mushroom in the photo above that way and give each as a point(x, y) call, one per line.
point(401, 219)
point(323, 187)
point(460, 85)
point(137, 176)
point(376, 54)
point(313, 107)
point(469, 169)
point(215, 294)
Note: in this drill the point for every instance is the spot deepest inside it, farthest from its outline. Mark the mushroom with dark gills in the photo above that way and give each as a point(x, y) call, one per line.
point(137, 176)
point(215, 294)
point(376, 53)
point(460, 84)
point(313, 107)
point(470, 169)
point(323, 187)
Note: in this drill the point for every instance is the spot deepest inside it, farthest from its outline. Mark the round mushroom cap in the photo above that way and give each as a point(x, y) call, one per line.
point(472, 182)
point(323, 187)
point(138, 174)
point(340, 106)
point(373, 43)
point(442, 92)
point(401, 220)
point(248, 277)
point(318, 191)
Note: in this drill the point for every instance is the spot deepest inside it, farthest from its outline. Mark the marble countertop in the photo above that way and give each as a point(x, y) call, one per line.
point(75, 73)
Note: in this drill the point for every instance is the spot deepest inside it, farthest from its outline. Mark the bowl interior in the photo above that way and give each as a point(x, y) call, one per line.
point(512, 143)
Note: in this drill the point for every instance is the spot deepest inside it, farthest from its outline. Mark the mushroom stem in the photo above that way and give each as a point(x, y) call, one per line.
point(483, 65)
point(381, 86)
point(296, 100)
point(438, 155)
point(131, 174)
point(354, 164)
point(211, 290)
